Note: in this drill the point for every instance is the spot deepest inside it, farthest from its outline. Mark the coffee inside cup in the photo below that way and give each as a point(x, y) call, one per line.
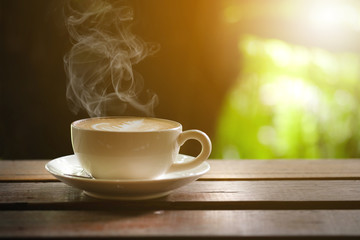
point(125, 124)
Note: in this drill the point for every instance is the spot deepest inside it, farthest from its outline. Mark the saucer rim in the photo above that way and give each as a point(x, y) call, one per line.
point(62, 175)
point(127, 198)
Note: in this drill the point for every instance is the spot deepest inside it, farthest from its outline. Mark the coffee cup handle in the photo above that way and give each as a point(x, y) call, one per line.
point(204, 154)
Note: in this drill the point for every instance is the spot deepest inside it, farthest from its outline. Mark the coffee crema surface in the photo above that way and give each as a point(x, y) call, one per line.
point(125, 124)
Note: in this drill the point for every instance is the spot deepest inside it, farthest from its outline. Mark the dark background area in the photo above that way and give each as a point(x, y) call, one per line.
point(190, 74)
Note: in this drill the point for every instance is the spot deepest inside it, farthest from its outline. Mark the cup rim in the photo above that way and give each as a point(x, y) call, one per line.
point(179, 126)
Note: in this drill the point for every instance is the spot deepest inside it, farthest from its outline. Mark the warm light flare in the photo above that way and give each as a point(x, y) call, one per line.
point(334, 16)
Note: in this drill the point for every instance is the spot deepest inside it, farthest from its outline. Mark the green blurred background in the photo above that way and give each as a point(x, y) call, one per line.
point(264, 78)
point(297, 93)
point(291, 102)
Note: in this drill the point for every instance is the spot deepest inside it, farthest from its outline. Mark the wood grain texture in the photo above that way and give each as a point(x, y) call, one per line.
point(33, 170)
point(251, 199)
point(170, 224)
point(24, 170)
point(336, 194)
point(284, 169)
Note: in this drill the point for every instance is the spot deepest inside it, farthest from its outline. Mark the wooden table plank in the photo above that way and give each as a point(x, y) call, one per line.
point(33, 170)
point(170, 224)
point(24, 170)
point(247, 198)
point(284, 169)
point(336, 194)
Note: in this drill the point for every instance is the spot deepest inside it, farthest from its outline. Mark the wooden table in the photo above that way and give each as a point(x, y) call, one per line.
point(245, 198)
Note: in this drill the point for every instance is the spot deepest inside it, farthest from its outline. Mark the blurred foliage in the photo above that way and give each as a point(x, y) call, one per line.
point(291, 102)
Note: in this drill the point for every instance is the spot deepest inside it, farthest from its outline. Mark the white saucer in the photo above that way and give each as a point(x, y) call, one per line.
point(68, 170)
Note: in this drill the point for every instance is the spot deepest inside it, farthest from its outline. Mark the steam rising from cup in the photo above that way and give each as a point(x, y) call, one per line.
point(99, 64)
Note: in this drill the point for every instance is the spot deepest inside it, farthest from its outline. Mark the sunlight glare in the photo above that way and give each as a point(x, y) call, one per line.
point(334, 15)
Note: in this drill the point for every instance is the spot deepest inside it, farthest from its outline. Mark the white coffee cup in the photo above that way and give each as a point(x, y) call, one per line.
point(133, 147)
